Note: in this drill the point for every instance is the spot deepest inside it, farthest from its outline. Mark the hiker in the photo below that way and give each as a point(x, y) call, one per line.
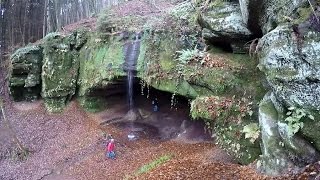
point(108, 138)
point(110, 150)
point(155, 105)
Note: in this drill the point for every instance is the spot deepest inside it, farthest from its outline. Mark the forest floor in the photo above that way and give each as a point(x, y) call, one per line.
point(71, 146)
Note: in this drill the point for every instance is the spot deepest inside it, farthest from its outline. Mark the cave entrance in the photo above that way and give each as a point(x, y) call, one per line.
point(171, 121)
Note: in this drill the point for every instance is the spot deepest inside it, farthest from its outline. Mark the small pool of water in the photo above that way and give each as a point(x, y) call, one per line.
point(137, 130)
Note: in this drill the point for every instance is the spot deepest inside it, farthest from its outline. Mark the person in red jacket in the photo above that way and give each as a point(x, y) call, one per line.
point(110, 150)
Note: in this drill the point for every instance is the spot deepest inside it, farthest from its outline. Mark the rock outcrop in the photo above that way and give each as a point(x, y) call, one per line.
point(25, 77)
point(223, 24)
point(262, 16)
point(280, 150)
point(224, 88)
point(291, 64)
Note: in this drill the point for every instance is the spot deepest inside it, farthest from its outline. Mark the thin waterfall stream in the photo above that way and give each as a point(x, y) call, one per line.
point(131, 51)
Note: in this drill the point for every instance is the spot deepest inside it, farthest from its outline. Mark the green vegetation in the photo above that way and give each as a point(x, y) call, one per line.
point(59, 71)
point(227, 117)
point(294, 118)
point(252, 132)
point(99, 64)
point(92, 104)
point(188, 55)
point(152, 165)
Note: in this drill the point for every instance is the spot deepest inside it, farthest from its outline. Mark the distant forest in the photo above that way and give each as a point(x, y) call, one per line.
point(25, 21)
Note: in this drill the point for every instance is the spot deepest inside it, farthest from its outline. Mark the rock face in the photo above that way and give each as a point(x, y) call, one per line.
point(291, 65)
point(224, 87)
point(262, 16)
point(223, 24)
point(25, 78)
point(290, 61)
point(280, 151)
point(59, 71)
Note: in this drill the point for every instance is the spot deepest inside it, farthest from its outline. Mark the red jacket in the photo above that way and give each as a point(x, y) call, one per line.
point(110, 147)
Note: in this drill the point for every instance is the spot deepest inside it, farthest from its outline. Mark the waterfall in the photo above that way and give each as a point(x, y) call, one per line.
point(131, 50)
point(130, 88)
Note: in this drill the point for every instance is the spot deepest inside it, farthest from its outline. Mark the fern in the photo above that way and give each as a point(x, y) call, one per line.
point(251, 131)
point(294, 119)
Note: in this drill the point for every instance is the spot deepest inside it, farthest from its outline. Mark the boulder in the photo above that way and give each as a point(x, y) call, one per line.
point(24, 82)
point(262, 16)
point(281, 153)
point(59, 71)
point(291, 63)
point(223, 24)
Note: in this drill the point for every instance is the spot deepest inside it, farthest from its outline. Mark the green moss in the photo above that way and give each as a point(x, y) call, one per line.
point(311, 130)
point(303, 13)
point(92, 104)
point(25, 72)
point(231, 138)
point(17, 81)
point(152, 165)
point(226, 117)
point(169, 85)
point(55, 105)
point(59, 70)
point(100, 63)
point(268, 108)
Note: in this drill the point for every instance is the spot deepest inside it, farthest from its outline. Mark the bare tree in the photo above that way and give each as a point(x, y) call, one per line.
point(23, 152)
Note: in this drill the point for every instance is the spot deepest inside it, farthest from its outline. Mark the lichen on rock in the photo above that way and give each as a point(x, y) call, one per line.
point(224, 25)
point(59, 70)
point(281, 152)
point(25, 80)
point(292, 66)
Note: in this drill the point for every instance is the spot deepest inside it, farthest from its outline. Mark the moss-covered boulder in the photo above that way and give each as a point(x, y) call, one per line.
point(25, 76)
point(281, 152)
point(60, 69)
point(227, 117)
point(223, 24)
point(291, 65)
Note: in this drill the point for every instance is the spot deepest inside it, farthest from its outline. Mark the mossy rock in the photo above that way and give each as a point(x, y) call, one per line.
point(311, 131)
point(56, 104)
point(100, 64)
point(226, 117)
point(24, 81)
point(92, 104)
point(59, 70)
point(262, 16)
